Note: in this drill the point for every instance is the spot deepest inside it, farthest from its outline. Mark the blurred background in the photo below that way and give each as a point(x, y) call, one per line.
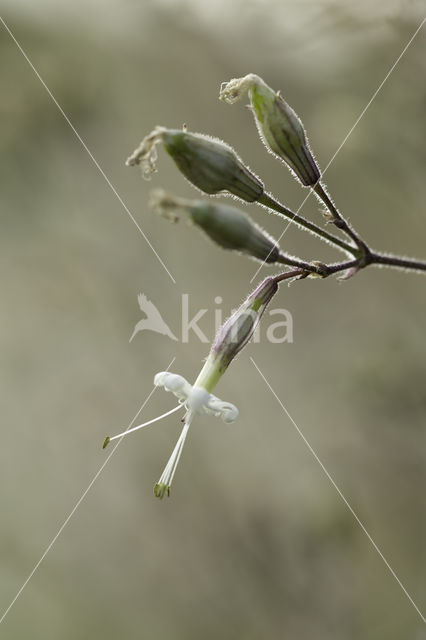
point(254, 541)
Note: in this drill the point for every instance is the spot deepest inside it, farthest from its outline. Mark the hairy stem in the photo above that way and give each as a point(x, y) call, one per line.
point(331, 269)
point(318, 268)
point(397, 262)
point(295, 273)
point(339, 220)
point(270, 203)
point(374, 258)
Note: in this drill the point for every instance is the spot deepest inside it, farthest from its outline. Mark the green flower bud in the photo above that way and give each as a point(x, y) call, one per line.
point(232, 229)
point(226, 226)
point(279, 126)
point(240, 327)
point(208, 163)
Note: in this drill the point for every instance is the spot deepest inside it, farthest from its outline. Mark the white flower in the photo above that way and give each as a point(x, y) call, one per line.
point(197, 401)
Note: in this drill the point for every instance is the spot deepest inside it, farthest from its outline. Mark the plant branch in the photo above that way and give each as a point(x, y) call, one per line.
point(295, 273)
point(397, 262)
point(310, 267)
point(340, 221)
point(319, 269)
point(352, 266)
point(332, 269)
point(270, 203)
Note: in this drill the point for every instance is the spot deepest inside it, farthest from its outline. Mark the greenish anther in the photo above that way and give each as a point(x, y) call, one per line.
point(161, 490)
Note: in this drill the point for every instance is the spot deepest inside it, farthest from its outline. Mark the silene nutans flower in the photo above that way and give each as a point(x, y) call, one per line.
point(208, 163)
point(279, 126)
point(198, 399)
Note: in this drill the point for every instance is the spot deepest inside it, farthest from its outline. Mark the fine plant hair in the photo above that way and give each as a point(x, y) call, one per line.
point(214, 168)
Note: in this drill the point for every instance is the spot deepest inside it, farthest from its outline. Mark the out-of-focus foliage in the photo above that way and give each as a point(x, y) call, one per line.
point(254, 541)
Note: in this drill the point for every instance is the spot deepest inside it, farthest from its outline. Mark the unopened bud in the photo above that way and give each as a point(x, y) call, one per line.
point(232, 229)
point(279, 126)
point(208, 163)
point(240, 327)
point(235, 333)
point(226, 226)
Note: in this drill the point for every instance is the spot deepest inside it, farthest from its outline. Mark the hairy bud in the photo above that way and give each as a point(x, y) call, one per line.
point(279, 126)
point(238, 330)
point(232, 229)
point(208, 163)
point(227, 226)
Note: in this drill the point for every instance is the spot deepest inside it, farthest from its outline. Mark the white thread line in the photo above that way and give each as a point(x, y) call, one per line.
point(361, 115)
point(340, 493)
point(95, 162)
point(76, 506)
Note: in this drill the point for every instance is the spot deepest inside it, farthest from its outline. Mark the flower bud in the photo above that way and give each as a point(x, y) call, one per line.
point(279, 126)
point(232, 229)
point(226, 226)
point(208, 163)
point(237, 331)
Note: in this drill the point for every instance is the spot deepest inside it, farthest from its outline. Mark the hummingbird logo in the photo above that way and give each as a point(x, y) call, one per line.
point(153, 320)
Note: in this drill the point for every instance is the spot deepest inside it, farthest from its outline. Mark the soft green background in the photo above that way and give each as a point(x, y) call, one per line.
point(254, 542)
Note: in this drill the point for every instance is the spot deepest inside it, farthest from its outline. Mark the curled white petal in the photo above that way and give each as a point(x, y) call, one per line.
point(234, 90)
point(196, 399)
point(146, 153)
point(227, 411)
point(174, 383)
point(167, 206)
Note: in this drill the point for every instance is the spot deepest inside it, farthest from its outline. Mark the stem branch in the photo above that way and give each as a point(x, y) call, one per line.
point(270, 203)
point(341, 222)
point(397, 262)
point(318, 268)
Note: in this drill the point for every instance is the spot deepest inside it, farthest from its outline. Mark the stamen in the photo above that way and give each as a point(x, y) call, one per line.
point(145, 424)
point(163, 485)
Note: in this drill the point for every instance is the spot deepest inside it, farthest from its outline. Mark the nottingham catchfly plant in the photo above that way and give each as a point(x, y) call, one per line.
point(214, 168)
point(198, 399)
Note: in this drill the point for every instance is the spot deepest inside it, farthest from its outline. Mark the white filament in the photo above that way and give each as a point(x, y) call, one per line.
point(170, 468)
point(145, 424)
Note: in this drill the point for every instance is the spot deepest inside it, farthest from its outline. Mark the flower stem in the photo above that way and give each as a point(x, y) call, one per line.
point(397, 262)
point(340, 221)
point(270, 203)
point(295, 273)
point(300, 264)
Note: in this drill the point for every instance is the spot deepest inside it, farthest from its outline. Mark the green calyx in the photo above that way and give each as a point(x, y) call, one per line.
point(211, 165)
point(279, 126)
point(232, 229)
point(238, 330)
point(210, 374)
point(283, 132)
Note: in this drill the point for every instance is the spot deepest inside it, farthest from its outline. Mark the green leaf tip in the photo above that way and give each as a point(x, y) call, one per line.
point(106, 442)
